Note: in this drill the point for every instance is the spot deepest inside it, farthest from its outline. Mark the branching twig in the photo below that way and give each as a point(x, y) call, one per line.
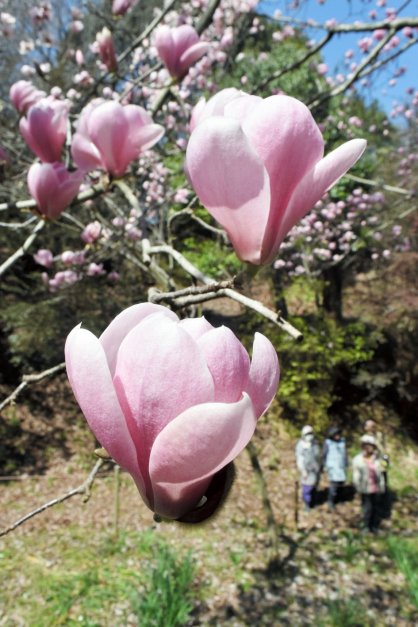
point(388, 188)
point(355, 27)
point(23, 249)
point(147, 32)
point(354, 76)
point(30, 378)
point(84, 488)
point(180, 297)
point(294, 66)
point(271, 315)
point(88, 194)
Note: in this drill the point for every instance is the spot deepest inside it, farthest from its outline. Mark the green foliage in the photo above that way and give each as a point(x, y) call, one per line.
point(211, 258)
point(36, 329)
point(351, 546)
point(404, 552)
point(346, 613)
point(312, 368)
point(167, 598)
point(261, 58)
point(96, 581)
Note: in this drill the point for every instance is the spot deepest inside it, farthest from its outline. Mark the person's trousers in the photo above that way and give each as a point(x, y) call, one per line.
point(333, 492)
point(308, 495)
point(370, 504)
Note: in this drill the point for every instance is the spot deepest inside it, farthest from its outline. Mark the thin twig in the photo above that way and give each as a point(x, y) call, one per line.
point(265, 499)
point(354, 76)
point(147, 32)
point(23, 249)
point(30, 378)
point(84, 488)
point(88, 194)
point(294, 66)
point(388, 188)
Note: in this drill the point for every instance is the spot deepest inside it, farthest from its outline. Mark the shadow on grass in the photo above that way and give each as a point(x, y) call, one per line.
point(44, 423)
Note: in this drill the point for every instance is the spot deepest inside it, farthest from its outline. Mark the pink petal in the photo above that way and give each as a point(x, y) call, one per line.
point(228, 363)
point(145, 138)
point(184, 37)
point(231, 182)
point(92, 385)
point(288, 141)
point(264, 374)
point(241, 107)
point(196, 327)
point(118, 329)
point(108, 129)
point(160, 372)
point(165, 47)
point(192, 448)
point(191, 55)
point(215, 105)
point(143, 133)
point(85, 154)
point(317, 181)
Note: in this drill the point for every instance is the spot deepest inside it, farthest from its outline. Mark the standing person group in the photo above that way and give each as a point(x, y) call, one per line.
point(369, 469)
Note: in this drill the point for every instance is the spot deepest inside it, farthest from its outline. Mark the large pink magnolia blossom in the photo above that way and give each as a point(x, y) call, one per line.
point(179, 48)
point(45, 128)
point(258, 166)
point(53, 187)
point(23, 94)
point(173, 402)
point(110, 136)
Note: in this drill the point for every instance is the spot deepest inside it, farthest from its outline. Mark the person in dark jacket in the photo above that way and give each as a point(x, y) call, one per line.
point(335, 462)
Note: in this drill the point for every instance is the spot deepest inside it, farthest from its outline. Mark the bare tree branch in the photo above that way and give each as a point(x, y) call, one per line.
point(264, 311)
point(31, 378)
point(84, 488)
point(354, 76)
point(389, 188)
point(6, 265)
point(290, 68)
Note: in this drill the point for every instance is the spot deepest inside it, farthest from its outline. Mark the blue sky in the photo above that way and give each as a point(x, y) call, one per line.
point(349, 11)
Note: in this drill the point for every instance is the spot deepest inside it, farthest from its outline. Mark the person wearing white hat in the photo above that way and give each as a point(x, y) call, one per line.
point(369, 481)
point(308, 461)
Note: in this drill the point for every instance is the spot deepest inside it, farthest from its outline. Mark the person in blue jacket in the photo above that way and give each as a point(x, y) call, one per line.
point(335, 462)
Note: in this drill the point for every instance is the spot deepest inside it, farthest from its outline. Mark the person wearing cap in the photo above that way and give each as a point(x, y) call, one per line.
point(335, 462)
point(370, 428)
point(369, 481)
point(308, 461)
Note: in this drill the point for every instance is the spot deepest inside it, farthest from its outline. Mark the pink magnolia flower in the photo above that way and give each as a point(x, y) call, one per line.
point(109, 136)
point(120, 7)
point(257, 165)
point(91, 232)
point(179, 48)
point(23, 94)
point(44, 257)
point(106, 49)
point(53, 187)
point(174, 401)
point(45, 128)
